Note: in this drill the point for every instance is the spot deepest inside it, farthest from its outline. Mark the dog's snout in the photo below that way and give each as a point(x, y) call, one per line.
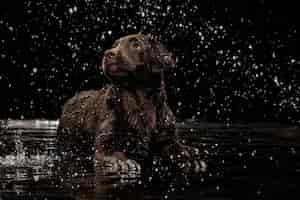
point(110, 54)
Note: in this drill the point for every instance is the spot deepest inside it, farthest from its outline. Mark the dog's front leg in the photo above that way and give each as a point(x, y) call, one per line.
point(110, 160)
point(186, 158)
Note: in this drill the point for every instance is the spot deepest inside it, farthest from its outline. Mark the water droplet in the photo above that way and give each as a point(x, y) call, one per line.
point(253, 153)
point(276, 81)
point(293, 150)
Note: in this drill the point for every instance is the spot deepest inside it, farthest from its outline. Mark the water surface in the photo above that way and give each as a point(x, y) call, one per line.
point(245, 161)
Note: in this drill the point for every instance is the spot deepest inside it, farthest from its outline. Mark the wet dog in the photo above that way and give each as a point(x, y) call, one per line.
point(128, 121)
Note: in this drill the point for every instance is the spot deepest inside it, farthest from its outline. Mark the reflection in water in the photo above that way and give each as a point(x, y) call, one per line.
point(27, 156)
point(243, 161)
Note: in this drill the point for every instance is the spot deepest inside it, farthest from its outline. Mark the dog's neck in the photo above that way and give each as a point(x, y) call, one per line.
point(155, 93)
point(143, 93)
point(150, 86)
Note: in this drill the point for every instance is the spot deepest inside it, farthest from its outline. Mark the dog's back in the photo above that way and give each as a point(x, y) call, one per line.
point(81, 111)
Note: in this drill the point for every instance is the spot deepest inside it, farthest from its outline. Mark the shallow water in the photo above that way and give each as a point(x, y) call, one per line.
point(245, 161)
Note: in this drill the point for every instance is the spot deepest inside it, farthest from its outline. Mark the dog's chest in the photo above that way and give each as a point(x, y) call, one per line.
point(141, 111)
point(148, 110)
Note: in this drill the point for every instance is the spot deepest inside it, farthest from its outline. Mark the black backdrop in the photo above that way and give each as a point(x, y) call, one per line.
point(237, 60)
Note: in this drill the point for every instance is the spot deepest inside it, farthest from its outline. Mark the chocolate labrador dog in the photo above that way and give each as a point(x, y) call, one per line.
point(129, 121)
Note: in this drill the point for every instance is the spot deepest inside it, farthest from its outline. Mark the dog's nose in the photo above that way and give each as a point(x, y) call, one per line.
point(110, 55)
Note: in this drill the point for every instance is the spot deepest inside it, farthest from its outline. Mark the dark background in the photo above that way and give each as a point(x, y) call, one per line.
point(237, 60)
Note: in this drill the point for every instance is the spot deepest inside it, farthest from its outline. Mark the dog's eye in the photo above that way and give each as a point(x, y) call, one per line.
point(136, 44)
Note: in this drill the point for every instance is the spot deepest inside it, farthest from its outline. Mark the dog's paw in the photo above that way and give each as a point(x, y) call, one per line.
point(112, 166)
point(187, 158)
point(192, 166)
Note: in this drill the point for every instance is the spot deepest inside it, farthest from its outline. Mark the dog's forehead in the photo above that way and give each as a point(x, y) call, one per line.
point(132, 36)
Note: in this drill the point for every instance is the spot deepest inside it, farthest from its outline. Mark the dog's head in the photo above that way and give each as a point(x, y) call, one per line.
point(136, 54)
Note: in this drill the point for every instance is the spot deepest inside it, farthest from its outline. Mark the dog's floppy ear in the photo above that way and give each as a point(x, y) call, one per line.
point(159, 54)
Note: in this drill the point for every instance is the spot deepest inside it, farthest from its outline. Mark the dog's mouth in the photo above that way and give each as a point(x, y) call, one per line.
point(115, 68)
point(112, 67)
point(118, 65)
